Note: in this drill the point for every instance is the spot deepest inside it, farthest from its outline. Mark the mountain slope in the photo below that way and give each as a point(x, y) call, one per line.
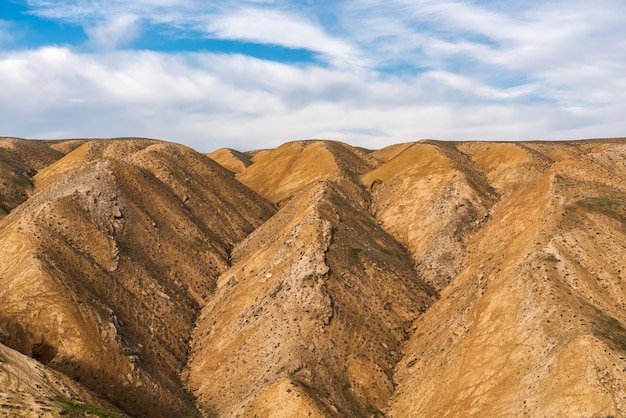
point(432, 198)
point(231, 159)
point(20, 160)
point(534, 323)
point(112, 258)
point(281, 173)
point(310, 317)
point(30, 389)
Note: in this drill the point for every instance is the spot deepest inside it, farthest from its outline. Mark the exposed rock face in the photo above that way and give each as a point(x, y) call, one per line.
point(424, 279)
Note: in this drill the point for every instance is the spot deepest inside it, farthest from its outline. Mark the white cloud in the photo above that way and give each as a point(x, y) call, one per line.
point(116, 22)
point(470, 70)
point(209, 101)
point(283, 29)
point(114, 32)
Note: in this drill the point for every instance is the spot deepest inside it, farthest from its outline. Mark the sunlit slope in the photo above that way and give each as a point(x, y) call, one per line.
point(281, 173)
point(426, 279)
point(534, 324)
point(231, 159)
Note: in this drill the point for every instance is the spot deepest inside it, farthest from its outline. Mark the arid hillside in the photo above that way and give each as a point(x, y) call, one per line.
point(141, 278)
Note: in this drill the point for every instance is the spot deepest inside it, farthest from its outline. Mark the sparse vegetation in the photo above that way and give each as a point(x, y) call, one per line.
point(610, 330)
point(211, 412)
point(198, 242)
point(23, 181)
point(551, 258)
point(77, 410)
point(101, 295)
point(309, 280)
point(350, 306)
point(601, 201)
point(125, 247)
point(371, 411)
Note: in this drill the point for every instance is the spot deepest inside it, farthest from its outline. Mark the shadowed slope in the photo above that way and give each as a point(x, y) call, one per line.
point(432, 198)
point(20, 160)
point(30, 389)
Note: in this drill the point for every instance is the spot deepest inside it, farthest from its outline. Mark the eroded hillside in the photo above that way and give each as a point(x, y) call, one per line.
point(423, 279)
point(106, 266)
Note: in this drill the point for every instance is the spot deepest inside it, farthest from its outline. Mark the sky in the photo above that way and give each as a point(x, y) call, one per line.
point(254, 74)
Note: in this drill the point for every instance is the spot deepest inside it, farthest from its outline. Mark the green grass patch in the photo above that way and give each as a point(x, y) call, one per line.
point(76, 410)
point(395, 254)
point(611, 330)
point(50, 141)
point(211, 413)
point(355, 177)
point(101, 295)
point(353, 257)
point(198, 242)
point(601, 201)
point(371, 411)
point(126, 248)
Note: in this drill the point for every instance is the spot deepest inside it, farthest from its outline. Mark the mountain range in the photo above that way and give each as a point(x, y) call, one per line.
point(142, 278)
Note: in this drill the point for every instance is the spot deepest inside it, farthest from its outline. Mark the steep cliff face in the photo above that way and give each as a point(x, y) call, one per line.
point(424, 279)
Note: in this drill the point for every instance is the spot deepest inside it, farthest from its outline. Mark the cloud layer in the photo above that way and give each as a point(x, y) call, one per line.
point(381, 72)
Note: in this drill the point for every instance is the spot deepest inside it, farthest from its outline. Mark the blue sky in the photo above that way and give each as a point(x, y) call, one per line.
point(253, 74)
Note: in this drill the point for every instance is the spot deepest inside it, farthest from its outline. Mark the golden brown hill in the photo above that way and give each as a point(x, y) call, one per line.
point(432, 198)
point(30, 389)
point(106, 266)
point(231, 159)
point(310, 317)
point(534, 324)
point(281, 173)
